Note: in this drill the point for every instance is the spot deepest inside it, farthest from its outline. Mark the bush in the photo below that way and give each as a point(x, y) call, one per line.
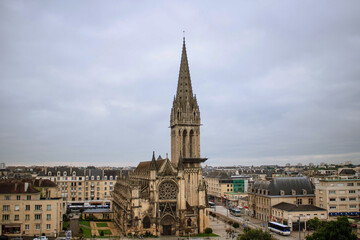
point(236, 225)
point(208, 230)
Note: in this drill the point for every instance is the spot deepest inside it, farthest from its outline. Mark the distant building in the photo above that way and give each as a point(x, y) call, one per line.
point(30, 208)
point(2, 166)
point(340, 197)
point(225, 189)
point(83, 186)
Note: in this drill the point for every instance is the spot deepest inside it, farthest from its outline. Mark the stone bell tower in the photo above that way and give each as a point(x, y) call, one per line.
point(185, 117)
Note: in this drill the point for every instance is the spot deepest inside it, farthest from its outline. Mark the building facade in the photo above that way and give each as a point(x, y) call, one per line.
point(83, 186)
point(290, 214)
point(30, 208)
point(226, 190)
point(163, 196)
point(263, 195)
point(340, 197)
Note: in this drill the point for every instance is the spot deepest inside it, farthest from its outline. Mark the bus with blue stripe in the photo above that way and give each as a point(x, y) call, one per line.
point(279, 228)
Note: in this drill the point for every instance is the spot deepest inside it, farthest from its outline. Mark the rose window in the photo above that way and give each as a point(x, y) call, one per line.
point(168, 190)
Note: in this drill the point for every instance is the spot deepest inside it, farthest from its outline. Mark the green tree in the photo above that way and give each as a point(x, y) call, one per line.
point(255, 234)
point(313, 224)
point(236, 225)
point(334, 230)
point(208, 230)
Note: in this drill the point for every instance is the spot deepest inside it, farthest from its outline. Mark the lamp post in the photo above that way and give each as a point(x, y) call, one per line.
point(299, 228)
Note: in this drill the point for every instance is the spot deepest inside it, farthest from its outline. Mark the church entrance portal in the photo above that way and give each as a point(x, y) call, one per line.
point(168, 225)
point(167, 230)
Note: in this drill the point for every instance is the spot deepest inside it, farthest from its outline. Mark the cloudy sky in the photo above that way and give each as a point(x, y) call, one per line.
point(92, 82)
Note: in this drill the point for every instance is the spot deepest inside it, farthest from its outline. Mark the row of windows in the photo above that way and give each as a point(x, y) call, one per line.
point(342, 184)
point(350, 206)
point(342, 192)
point(6, 217)
point(341, 199)
point(37, 226)
point(27, 207)
point(18, 197)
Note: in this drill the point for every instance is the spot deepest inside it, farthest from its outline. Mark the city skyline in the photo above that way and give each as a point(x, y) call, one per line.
point(276, 82)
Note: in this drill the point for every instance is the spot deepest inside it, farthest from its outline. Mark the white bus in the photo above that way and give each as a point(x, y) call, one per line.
point(279, 228)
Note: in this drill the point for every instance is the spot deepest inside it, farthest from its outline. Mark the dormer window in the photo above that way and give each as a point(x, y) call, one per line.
point(111, 177)
point(49, 173)
point(87, 178)
point(282, 192)
point(98, 178)
point(92, 177)
point(74, 173)
point(65, 174)
point(304, 192)
point(105, 177)
point(58, 173)
point(293, 192)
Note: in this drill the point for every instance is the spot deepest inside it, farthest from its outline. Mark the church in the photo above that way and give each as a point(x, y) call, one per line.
point(162, 196)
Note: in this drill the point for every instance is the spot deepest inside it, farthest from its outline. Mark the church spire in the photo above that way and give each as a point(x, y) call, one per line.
point(153, 163)
point(184, 88)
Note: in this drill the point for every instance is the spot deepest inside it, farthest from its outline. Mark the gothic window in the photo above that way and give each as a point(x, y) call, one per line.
point(184, 143)
point(189, 222)
point(191, 143)
point(178, 114)
point(167, 191)
point(146, 222)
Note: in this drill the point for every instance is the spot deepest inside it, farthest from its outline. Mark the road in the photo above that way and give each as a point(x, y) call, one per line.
point(254, 223)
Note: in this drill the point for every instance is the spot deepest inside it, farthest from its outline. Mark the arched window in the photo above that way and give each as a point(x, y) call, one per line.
point(184, 143)
point(167, 191)
point(146, 222)
point(178, 114)
point(191, 143)
point(189, 222)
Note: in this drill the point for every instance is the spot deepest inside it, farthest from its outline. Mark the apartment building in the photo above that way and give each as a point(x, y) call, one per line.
point(263, 195)
point(340, 197)
point(83, 186)
point(30, 208)
point(226, 189)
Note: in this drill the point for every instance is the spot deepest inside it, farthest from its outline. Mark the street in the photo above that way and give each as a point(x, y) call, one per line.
point(254, 223)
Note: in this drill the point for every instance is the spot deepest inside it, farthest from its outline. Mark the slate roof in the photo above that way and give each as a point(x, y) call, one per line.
point(286, 184)
point(13, 187)
point(218, 174)
point(44, 183)
point(145, 166)
point(347, 172)
point(296, 208)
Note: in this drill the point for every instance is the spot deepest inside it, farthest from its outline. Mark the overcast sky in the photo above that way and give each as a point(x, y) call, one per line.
point(92, 82)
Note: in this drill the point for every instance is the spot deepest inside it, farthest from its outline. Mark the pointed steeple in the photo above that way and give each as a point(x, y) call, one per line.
point(184, 88)
point(153, 163)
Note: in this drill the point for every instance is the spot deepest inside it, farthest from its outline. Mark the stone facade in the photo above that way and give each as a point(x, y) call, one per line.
point(339, 196)
point(263, 195)
point(30, 208)
point(82, 186)
point(166, 197)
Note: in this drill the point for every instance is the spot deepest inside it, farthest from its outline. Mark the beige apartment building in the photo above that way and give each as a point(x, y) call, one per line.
point(340, 197)
point(83, 186)
point(30, 208)
point(263, 195)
